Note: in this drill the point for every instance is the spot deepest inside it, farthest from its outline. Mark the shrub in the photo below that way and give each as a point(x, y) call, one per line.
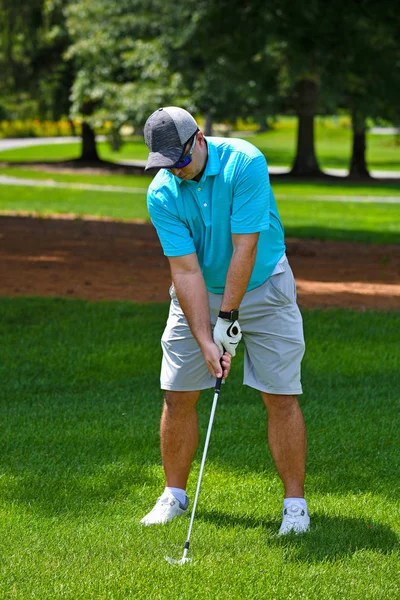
point(37, 128)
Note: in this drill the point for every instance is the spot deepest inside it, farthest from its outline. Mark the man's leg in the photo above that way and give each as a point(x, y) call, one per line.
point(179, 438)
point(287, 441)
point(179, 435)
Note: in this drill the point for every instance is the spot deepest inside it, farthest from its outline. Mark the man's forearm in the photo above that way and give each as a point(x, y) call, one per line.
point(193, 299)
point(238, 277)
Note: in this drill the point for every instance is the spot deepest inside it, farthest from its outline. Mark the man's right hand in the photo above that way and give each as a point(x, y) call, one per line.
point(219, 366)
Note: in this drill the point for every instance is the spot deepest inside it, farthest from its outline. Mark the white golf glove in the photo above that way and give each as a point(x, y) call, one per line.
point(227, 335)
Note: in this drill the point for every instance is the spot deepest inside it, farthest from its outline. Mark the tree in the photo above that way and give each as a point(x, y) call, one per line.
point(334, 52)
point(223, 54)
point(315, 37)
point(372, 84)
point(32, 42)
point(224, 60)
point(133, 58)
point(121, 73)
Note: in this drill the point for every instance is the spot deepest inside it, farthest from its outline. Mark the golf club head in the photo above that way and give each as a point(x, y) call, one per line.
point(173, 561)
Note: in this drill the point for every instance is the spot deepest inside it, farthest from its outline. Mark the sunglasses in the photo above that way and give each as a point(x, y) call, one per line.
point(187, 159)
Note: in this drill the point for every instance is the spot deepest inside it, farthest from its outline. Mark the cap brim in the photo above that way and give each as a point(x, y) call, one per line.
point(164, 160)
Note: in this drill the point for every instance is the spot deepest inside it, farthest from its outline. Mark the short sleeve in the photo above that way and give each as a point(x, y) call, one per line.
point(174, 235)
point(251, 196)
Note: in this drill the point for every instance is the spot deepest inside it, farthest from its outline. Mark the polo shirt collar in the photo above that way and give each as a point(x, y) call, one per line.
point(213, 165)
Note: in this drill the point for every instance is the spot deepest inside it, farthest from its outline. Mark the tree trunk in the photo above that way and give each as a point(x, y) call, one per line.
point(263, 125)
point(397, 137)
point(72, 126)
point(89, 150)
point(208, 124)
point(306, 163)
point(358, 165)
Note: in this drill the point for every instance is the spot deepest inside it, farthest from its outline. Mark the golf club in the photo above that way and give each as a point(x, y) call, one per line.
point(185, 558)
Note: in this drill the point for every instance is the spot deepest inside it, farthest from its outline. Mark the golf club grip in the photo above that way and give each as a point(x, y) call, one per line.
point(218, 381)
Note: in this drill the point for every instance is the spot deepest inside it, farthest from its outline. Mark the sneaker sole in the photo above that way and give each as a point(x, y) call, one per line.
point(147, 524)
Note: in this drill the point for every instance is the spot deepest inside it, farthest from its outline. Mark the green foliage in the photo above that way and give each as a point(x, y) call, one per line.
point(80, 463)
point(117, 62)
point(35, 79)
point(37, 128)
point(121, 71)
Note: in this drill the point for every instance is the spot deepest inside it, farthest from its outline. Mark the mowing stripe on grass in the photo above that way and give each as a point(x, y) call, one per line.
point(363, 199)
point(7, 180)
point(50, 183)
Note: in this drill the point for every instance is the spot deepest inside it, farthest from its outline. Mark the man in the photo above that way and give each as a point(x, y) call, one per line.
point(216, 217)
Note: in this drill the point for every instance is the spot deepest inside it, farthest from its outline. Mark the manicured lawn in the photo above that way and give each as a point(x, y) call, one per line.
point(80, 465)
point(282, 188)
point(333, 147)
point(45, 201)
point(48, 152)
point(350, 221)
point(134, 181)
point(132, 149)
point(337, 187)
point(302, 216)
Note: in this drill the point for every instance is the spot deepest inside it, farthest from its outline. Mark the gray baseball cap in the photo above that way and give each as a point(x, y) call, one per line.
point(166, 132)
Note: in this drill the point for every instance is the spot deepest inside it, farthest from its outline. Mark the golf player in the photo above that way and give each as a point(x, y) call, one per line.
point(215, 214)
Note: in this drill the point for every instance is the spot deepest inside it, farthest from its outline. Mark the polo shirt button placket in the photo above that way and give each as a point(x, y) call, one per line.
point(204, 203)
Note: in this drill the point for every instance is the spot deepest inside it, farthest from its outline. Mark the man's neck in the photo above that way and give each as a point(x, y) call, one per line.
point(200, 175)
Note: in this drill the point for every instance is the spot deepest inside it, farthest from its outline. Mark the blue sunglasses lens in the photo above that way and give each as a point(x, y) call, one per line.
point(183, 162)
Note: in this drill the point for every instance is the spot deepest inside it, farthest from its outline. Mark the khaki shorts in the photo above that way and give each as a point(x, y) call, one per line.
point(272, 330)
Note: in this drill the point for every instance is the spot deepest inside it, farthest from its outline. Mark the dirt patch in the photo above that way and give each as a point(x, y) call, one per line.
point(107, 260)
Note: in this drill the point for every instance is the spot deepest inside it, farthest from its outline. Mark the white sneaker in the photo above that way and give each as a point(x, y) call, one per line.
point(166, 508)
point(295, 518)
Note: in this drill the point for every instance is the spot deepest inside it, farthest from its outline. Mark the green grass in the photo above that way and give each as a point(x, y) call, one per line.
point(302, 217)
point(319, 189)
point(45, 201)
point(333, 147)
point(53, 152)
point(281, 187)
point(344, 221)
point(134, 181)
point(80, 464)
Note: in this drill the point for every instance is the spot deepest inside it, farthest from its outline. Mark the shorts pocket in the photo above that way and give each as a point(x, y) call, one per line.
point(282, 288)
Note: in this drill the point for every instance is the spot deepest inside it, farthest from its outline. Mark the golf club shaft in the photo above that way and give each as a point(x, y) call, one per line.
point(203, 460)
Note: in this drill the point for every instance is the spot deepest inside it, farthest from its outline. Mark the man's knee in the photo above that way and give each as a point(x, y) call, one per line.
point(180, 401)
point(280, 404)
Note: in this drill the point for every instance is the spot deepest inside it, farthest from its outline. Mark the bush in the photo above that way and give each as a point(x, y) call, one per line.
point(36, 128)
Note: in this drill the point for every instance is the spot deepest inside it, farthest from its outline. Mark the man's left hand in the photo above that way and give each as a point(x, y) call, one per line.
point(227, 336)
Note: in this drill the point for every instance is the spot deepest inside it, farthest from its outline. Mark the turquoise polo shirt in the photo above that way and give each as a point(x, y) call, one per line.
point(233, 196)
